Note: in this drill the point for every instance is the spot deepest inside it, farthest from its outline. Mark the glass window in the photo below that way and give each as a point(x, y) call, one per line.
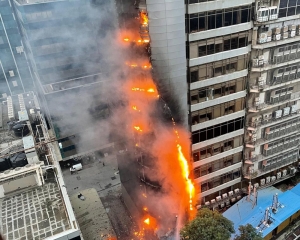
point(211, 21)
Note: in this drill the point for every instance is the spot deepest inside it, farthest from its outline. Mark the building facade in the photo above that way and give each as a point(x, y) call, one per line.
point(272, 124)
point(61, 41)
point(241, 85)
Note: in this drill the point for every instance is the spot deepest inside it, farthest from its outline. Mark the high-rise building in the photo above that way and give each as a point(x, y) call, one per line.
point(61, 41)
point(236, 85)
point(15, 75)
point(272, 125)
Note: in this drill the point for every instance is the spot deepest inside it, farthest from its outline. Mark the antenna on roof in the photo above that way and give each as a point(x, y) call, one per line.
point(266, 221)
point(276, 204)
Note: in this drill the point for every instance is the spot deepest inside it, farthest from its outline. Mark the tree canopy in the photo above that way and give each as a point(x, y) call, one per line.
point(248, 232)
point(207, 225)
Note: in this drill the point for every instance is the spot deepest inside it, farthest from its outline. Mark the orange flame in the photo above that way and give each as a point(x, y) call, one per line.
point(151, 90)
point(126, 39)
point(185, 172)
point(144, 18)
point(147, 221)
point(138, 128)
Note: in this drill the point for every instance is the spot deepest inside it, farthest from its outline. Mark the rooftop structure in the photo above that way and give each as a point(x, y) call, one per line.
point(33, 202)
point(263, 216)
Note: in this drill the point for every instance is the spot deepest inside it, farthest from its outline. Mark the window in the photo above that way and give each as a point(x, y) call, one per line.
point(217, 130)
point(216, 165)
point(219, 180)
point(215, 45)
point(217, 90)
point(289, 8)
point(219, 18)
point(217, 111)
point(215, 69)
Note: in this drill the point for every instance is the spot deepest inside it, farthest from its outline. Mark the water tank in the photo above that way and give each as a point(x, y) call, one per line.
point(18, 160)
point(20, 129)
point(4, 164)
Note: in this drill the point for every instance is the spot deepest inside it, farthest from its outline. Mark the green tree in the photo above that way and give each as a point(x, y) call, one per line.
point(248, 232)
point(208, 225)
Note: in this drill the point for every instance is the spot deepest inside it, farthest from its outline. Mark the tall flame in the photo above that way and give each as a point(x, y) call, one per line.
point(185, 171)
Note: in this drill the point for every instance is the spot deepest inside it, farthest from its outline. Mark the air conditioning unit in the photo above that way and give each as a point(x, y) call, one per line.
point(213, 201)
point(238, 197)
point(261, 84)
point(263, 37)
point(224, 195)
point(284, 172)
point(233, 200)
point(273, 178)
point(227, 203)
point(254, 139)
point(292, 27)
point(277, 37)
point(292, 34)
point(284, 35)
point(294, 108)
point(207, 203)
point(261, 80)
point(252, 154)
point(293, 170)
point(278, 175)
point(278, 114)
point(236, 191)
point(284, 29)
point(267, 116)
point(256, 185)
point(218, 198)
point(256, 119)
point(262, 182)
point(268, 179)
point(262, 14)
point(286, 111)
point(222, 205)
point(276, 31)
point(230, 193)
point(273, 13)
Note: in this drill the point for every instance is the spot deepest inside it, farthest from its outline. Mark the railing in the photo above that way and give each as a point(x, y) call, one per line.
point(258, 173)
point(261, 106)
point(271, 120)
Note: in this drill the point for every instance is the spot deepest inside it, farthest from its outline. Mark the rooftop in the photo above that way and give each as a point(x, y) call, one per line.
point(36, 213)
point(245, 211)
point(33, 200)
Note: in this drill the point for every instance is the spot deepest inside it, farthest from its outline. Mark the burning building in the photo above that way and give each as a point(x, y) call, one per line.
point(155, 168)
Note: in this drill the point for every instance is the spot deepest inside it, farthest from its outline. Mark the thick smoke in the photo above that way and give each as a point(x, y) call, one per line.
point(123, 103)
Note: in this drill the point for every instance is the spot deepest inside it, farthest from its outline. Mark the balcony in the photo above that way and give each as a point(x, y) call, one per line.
point(269, 104)
point(254, 88)
point(260, 157)
point(260, 172)
point(265, 140)
point(268, 65)
point(271, 121)
point(276, 43)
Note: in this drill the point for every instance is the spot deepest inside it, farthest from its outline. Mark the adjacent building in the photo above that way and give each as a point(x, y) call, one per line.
point(61, 40)
point(272, 124)
point(33, 196)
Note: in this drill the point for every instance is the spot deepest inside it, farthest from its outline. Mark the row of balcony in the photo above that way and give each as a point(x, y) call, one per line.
point(289, 170)
point(256, 107)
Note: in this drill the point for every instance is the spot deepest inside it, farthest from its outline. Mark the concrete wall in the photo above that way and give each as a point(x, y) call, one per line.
point(19, 184)
point(167, 35)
